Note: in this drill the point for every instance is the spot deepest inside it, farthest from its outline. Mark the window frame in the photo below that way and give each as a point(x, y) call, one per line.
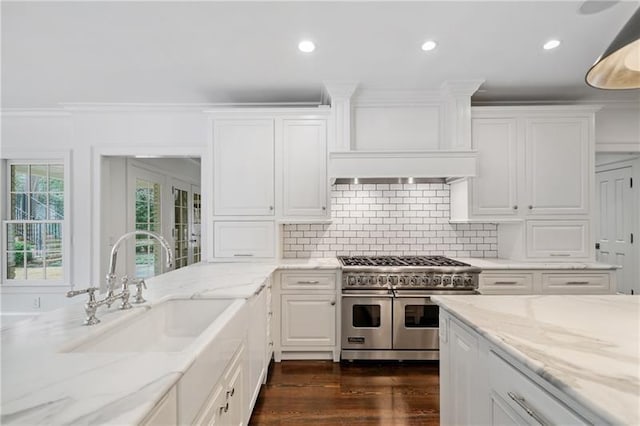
point(64, 159)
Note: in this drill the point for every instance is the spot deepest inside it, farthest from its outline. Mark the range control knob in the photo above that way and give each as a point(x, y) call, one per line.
point(446, 280)
point(457, 281)
point(393, 280)
point(413, 281)
point(382, 280)
point(437, 280)
point(351, 281)
point(468, 281)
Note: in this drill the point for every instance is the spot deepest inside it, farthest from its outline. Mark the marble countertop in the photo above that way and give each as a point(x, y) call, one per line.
point(43, 384)
point(586, 346)
point(498, 264)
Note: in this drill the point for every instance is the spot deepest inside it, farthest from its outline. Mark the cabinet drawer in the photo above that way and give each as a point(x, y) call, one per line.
point(558, 239)
point(576, 283)
point(525, 397)
point(307, 280)
point(506, 283)
point(244, 240)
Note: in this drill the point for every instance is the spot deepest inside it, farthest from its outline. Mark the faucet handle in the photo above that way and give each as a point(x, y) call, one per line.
point(139, 283)
point(90, 290)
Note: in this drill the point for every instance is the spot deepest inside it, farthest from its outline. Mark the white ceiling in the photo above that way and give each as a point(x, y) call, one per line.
point(209, 52)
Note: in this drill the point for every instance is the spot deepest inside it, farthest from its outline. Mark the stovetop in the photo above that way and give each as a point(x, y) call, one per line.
point(399, 261)
point(407, 272)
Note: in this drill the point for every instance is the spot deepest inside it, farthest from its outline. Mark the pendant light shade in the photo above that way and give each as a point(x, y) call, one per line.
point(619, 66)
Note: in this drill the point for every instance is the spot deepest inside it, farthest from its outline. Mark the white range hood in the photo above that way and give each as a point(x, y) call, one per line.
point(420, 164)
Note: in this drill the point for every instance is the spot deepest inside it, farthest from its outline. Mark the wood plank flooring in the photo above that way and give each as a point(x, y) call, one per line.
point(359, 393)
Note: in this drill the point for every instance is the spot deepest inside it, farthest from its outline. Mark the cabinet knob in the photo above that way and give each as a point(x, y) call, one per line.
point(333, 303)
point(530, 207)
point(515, 207)
point(324, 208)
point(271, 208)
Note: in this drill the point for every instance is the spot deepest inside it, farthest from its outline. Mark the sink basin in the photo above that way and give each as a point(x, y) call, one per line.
point(167, 327)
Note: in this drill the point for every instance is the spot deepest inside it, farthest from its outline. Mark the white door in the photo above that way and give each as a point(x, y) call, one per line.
point(616, 210)
point(243, 158)
point(308, 319)
point(557, 165)
point(305, 168)
point(495, 187)
point(195, 240)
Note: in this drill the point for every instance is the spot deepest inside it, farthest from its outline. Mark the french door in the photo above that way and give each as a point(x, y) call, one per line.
point(186, 223)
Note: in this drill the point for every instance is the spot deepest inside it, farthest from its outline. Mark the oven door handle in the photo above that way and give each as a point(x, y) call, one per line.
point(362, 294)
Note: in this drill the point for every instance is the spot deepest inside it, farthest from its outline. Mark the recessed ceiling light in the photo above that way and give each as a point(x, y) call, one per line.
point(429, 45)
point(551, 44)
point(306, 46)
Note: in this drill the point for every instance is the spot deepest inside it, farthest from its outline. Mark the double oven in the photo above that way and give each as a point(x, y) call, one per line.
point(387, 312)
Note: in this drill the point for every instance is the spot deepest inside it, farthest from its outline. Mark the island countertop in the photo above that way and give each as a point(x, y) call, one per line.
point(586, 346)
point(44, 384)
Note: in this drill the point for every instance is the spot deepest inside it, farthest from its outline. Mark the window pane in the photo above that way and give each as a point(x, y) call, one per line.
point(19, 177)
point(39, 178)
point(39, 208)
point(53, 265)
point(56, 206)
point(15, 270)
point(19, 206)
point(15, 235)
point(56, 178)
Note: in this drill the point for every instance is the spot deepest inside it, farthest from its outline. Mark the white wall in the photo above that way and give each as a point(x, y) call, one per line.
point(86, 134)
point(618, 128)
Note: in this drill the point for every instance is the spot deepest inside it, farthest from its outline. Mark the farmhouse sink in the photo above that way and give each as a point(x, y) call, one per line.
point(169, 326)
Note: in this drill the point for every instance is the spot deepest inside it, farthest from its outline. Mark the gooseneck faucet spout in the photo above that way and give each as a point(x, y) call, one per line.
point(111, 275)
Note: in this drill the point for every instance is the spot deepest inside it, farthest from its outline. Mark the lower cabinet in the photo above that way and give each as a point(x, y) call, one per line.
point(479, 384)
point(306, 323)
point(225, 405)
point(548, 281)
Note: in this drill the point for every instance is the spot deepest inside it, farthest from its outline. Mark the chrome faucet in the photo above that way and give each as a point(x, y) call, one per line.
point(111, 275)
point(92, 305)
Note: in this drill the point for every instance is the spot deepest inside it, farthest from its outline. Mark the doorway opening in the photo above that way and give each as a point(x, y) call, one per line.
point(161, 195)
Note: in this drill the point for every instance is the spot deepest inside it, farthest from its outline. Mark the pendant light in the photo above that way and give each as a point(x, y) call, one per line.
point(619, 66)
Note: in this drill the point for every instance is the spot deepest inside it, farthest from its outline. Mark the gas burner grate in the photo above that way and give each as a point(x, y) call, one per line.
point(399, 261)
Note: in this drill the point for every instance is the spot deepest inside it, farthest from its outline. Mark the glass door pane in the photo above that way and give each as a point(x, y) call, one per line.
point(181, 227)
point(148, 251)
point(195, 224)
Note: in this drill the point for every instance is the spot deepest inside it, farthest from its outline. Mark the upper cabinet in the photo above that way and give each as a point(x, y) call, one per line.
point(304, 169)
point(243, 167)
point(533, 163)
point(557, 165)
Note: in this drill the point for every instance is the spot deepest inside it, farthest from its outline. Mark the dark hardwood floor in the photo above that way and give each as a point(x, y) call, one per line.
point(359, 393)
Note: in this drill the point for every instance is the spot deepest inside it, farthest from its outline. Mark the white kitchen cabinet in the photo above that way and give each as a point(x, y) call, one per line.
point(243, 167)
point(165, 413)
point(258, 306)
point(225, 405)
point(306, 315)
point(558, 239)
point(244, 240)
point(558, 165)
point(481, 385)
point(524, 397)
point(304, 154)
point(463, 365)
point(547, 281)
point(494, 190)
point(532, 162)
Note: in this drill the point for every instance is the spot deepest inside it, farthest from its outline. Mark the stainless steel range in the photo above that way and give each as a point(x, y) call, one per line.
point(387, 311)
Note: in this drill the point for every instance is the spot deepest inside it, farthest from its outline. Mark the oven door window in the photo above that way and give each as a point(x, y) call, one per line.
point(366, 316)
point(420, 316)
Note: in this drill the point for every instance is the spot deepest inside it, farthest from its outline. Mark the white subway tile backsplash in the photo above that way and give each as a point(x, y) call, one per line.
point(390, 219)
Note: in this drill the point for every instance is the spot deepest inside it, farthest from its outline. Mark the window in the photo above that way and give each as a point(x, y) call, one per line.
point(34, 247)
point(148, 198)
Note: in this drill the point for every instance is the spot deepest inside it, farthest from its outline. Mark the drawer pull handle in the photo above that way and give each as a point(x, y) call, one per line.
point(505, 282)
point(308, 282)
point(560, 254)
point(523, 404)
point(577, 282)
point(242, 255)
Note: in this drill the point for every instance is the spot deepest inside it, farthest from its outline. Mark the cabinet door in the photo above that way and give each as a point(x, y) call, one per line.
point(494, 189)
point(558, 239)
point(463, 367)
point(244, 240)
point(305, 168)
point(213, 412)
point(243, 158)
point(557, 165)
point(308, 319)
point(257, 345)
point(235, 414)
